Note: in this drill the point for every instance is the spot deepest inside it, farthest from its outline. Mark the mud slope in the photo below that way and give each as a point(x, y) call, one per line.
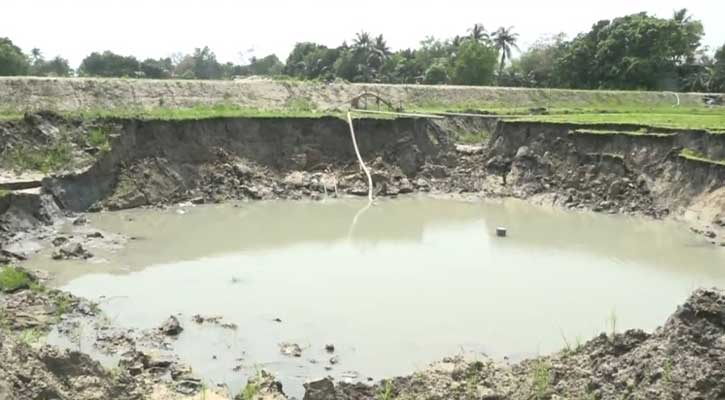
point(154, 162)
point(615, 169)
point(684, 359)
point(612, 168)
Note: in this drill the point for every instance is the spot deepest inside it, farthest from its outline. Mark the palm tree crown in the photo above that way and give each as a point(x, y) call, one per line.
point(478, 33)
point(504, 39)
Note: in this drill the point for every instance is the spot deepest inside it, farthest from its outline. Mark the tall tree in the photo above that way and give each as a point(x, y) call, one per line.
point(636, 51)
point(12, 59)
point(475, 64)
point(202, 64)
point(381, 46)
point(504, 40)
point(269, 65)
point(539, 65)
point(299, 60)
point(362, 41)
point(717, 80)
point(109, 64)
point(36, 55)
point(478, 33)
point(57, 66)
point(157, 69)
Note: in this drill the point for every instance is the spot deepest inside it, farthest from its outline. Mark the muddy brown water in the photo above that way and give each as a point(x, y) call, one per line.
point(393, 287)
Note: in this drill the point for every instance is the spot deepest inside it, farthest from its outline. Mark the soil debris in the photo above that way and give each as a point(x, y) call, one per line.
point(214, 320)
point(171, 327)
point(72, 251)
point(684, 359)
point(290, 349)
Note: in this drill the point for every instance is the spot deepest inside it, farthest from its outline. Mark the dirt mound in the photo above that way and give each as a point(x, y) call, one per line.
point(49, 373)
point(685, 359)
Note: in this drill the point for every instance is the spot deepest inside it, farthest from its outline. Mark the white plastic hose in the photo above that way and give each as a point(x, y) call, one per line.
point(359, 158)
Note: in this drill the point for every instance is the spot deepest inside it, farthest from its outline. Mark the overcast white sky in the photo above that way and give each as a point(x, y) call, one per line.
point(147, 28)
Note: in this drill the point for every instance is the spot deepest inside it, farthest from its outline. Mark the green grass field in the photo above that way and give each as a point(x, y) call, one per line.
point(713, 121)
point(604, 109)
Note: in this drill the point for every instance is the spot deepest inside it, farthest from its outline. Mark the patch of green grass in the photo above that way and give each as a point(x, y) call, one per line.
point(468, 137)
point(300, 104)
point(249, 391)
point(38, 287)
point(711, 121)
point(7, 115)
point(695, 156)
point(667, 372)
point(99, 138)
point(568, 348)
point(204, 112)
point(386, 391)
point(4, 320)
point(44, 159)
point(63, 305)
point(640, 132)
point(541, 376)
point(12, 279)
point(4, 193)
point(30, 336)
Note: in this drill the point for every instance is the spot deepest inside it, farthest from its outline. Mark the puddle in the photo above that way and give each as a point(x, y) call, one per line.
point(412, 281)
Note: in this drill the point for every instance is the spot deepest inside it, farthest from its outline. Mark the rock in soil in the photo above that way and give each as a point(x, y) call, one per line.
point(72, 251)
point(290, 349)
point(171, 327)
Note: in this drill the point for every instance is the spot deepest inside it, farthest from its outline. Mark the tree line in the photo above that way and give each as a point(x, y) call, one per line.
point(637, 51)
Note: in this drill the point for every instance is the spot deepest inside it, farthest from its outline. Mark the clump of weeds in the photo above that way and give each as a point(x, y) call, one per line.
point(541, 376)
point(13, 279)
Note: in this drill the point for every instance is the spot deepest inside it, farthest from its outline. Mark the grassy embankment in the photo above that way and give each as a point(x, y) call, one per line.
point(692, 155)
point(656, 110)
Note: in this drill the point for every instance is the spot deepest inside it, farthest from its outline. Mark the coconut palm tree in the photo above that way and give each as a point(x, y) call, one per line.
point(682, 16)
point(456, 41)
point(478, 33)
point(381, 46)
point(362, 41)
point(36, 54)
point(504, 39)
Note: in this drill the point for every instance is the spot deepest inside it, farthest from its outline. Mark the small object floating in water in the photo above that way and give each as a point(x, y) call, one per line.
point(501, 231)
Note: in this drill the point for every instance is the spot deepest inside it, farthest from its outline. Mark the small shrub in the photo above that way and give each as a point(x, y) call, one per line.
point(62, 305)
point(249, 391)
point(542, 380)
point(469, 137)
point(99, 138)
point(4, 320)
point(300, 104)
point(44, 159)
point(386, 392)
point(30, 336)
point(667, 376)
point(38, 287)
point(13, 279)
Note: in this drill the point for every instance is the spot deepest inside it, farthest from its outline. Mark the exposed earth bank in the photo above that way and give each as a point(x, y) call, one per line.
point(113, 164)
point(604, 168)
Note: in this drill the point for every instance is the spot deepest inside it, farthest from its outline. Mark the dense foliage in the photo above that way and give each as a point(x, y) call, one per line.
point(12, 59)
point(637, 51)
